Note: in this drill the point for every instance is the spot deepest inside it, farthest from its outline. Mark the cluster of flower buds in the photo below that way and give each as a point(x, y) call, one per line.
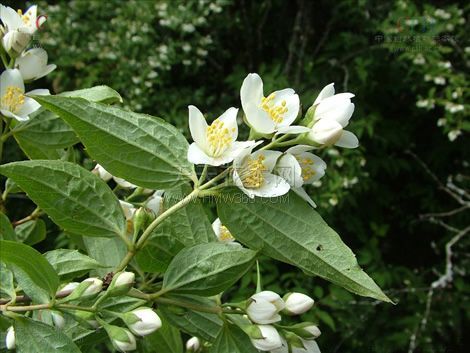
point(269, 172)
point(23, 65)
point(264, 309)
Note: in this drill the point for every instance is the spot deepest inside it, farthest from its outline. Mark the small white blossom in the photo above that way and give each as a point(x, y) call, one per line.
point(193, 344)
point(33, 64)
point(221, 232)
point(10, 340)
point(264, 307)
point(271, 339)
point(297, 303)
point(269, 114)
point(143, 321)
point(439, 80)
point(452, 135)
point(14, 102)
point(214, 144)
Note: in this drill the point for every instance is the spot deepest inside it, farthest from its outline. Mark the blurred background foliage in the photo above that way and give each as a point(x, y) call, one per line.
point(405, 61)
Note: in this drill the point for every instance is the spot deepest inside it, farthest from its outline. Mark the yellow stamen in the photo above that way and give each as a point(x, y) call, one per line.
point(218, 137)
point(225, 234)
point(252, 175)
point(307, 167)
point(275, 112)
point(13, 99)
point(25, 18)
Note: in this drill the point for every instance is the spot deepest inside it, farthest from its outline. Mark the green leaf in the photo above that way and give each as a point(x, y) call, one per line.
point(142, 149)
point(45, 133)
point(195, 323)
point(186, 227)
point(70, 263)
point(31, 232)
point(34, 336)
point(107, 251)
point(207, 269)
point(288, 230)
point(7, 285)
point(75, 199)
point(166, 339)
point(6, 229)
point(232, 339)
point(31, 263)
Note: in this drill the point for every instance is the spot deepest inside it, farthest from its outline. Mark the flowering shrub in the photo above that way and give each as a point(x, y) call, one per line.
point(153, 264)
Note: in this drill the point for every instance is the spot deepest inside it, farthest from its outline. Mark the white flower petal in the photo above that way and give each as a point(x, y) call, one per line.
point(197, 126)
point(347, 140)
point(327, 91)
point(270, 158)
point(197, 156)
point(11, 78)
point(229, 118)
point(10, 18)
point(294, 130)
point(290, 170)
point(299, 149)
point(303, 194)
point(29, 106)
point(273, 186)
point(326, 131)
point(11, 115)
point(292, 105)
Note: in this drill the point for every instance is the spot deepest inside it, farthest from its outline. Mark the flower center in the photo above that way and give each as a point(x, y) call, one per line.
point(13, 99)
point(306, 165)
point(218, 137)
point(275, 112)
point(252, 175)
point(225, 234)
point(25, 18)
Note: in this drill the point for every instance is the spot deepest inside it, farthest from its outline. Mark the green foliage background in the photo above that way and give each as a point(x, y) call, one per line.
point(164, 55)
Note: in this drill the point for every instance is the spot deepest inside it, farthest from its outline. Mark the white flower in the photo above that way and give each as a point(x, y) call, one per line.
point(19, 27)
point(125, 341)
point(297, 303)
point(271, 339)
point(10, 340)
point(253, 174)
point(268, 114)
point(106, 176)
point(143, 321)
point(313, 330)
point(154, 202)
point(70, 287)
point(299, 167)
point(284, 348)
point(264, 307)
point(222, 233)
point(128, 209)
point(96, 285)
point(121, 283)
point(310, 347)
point(13, 101)
point(214, 144)
point(33, 64)
point(439, 80)
point(193, 344)
point(453, 134)
point(58, 319)
point(331, 116)
point(16, 20)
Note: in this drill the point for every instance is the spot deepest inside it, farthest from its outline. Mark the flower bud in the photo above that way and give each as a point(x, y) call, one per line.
point(264, 307)
point(10, 340)
point(15, 41)
point(308, 346)
point(297, 303)
point(326, 132)
point(58, 319)
point(121, 283)
point(193, 344)
point(306, 330)
point(142, 321)
point(69, 287)
point(270, 338)
point(143, 217)
point(33, 64)
point(121, 338)
point(96, 285)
